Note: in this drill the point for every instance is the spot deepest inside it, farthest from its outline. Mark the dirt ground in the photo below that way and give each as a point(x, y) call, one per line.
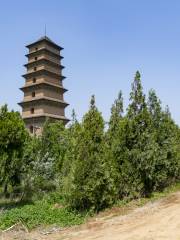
point(154, 221)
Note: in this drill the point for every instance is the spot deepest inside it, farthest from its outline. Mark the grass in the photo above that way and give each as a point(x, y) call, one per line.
point(42, 212)
point(46, 212)
point(154, 196)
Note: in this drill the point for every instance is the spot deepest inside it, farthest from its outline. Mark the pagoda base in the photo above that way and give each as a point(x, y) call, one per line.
point(35, 124)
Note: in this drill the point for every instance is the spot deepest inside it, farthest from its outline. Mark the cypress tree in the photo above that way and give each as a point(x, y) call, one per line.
point(116, 153)
point(166, 136)
point(116, 114)
point(141, 140)
point(91, 185)
point(74, 133)
point(137, 97)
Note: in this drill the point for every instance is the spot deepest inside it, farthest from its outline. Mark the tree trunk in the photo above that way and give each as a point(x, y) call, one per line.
point(5, 191)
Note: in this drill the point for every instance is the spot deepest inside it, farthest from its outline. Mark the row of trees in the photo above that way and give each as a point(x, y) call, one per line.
point(92, 166)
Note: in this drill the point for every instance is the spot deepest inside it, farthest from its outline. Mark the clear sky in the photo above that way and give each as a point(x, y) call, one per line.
point(105, 42)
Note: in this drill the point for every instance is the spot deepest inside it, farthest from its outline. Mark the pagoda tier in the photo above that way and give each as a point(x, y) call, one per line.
point(45, 52)
point(43, 85)
point(38, 116)
point(42, 40)
point(43, 89)
point(43, 62)
point(43, 72)
point(43, 100)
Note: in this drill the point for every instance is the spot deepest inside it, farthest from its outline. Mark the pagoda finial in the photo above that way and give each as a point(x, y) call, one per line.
point(45, 30)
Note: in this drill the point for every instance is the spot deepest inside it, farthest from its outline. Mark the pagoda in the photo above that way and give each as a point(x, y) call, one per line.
point(43, 89)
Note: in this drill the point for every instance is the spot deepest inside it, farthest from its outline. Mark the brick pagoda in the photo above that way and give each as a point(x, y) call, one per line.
point(43, 89)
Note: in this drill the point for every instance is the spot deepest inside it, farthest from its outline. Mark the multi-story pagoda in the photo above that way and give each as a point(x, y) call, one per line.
point(43, 89)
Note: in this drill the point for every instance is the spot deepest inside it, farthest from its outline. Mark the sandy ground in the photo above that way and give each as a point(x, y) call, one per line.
point(155, 221)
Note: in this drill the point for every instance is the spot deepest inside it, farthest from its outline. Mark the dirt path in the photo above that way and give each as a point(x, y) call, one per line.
point(154, 221)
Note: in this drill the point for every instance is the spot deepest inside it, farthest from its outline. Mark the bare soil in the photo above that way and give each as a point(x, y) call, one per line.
point(154, 221)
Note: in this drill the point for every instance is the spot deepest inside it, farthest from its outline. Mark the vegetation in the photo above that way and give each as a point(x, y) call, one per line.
point(90, 167)
point(12, 142)
point(46, 212)
point(41, 212)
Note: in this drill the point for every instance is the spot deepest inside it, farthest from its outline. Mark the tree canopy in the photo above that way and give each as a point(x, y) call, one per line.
point(92, 166)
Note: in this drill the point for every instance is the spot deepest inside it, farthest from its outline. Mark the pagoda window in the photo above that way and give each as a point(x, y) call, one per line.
point(35, 68)
point(32, 110)
point(36, 49)
point(33, 94)
point(35, 58)
point(31, 129)
point(34, 80)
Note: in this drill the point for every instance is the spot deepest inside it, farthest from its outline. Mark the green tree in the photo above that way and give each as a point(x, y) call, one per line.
point(166, 136)
point(13, 136)
point(90, 185)
point(137, 97)
point(73, 133)
point(141, 140)
point(116, 149)
point(116, 114)
point(54, 142)
point(34, 169)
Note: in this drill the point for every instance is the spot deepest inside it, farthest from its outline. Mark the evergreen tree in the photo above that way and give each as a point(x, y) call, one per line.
point(90, 184)
point(12, 141)
point(137, 97)
point(166, 136)
point(116, 113)
point(74, 133)
point(54, 142)
point(115, 153)
point(141, 140)
point(73, 117)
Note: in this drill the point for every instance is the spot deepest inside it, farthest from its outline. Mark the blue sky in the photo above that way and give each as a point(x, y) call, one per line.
point(105, 42)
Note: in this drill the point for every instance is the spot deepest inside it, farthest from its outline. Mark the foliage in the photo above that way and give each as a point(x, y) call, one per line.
point(12, 138)
point(44, 157)
point(74, 136)
point(90, 184)
point(48, 212)
point(166, 136)
point(116, 115)
point(142, 146)
point(40, 213)
point(54, 143)
point(86, 166)
point(39, 169)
